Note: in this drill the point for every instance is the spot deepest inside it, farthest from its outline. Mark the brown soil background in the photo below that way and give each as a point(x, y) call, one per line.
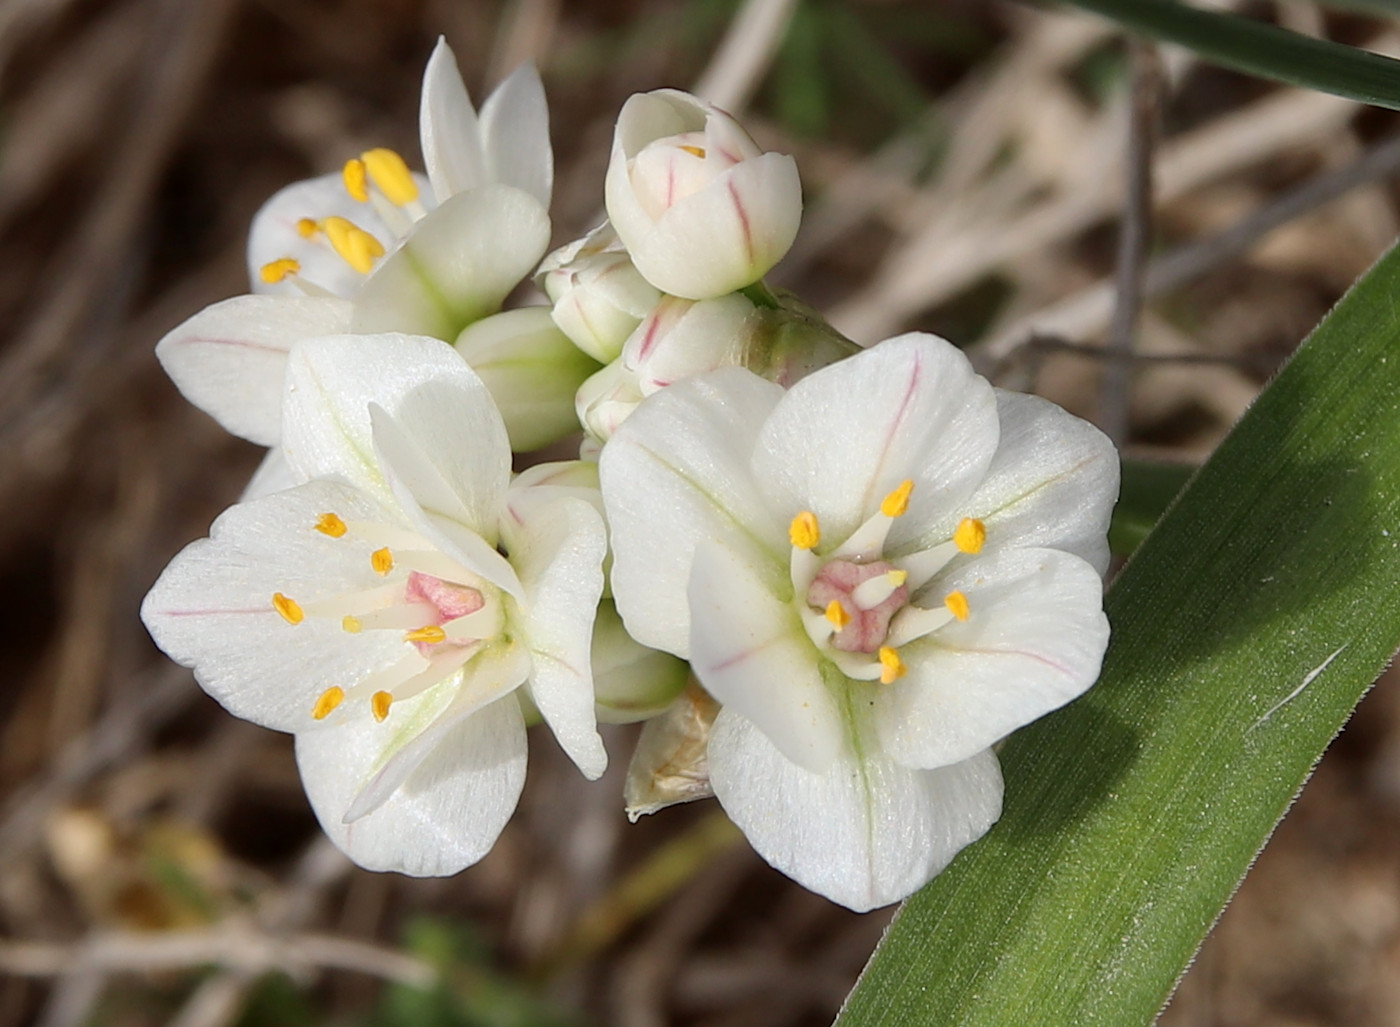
point(158, 863)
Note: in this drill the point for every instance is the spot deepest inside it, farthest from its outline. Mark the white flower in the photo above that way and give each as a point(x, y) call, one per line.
point(599, 297)
point(879, 574)
point(387, 610)
point(701, 209)
point(323, 235)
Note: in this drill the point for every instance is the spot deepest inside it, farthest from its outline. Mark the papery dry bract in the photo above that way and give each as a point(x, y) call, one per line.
point(879, 574)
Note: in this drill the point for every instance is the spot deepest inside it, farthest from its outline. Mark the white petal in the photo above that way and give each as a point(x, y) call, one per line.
point(457, 265)
point(448, 811)
point(272, 475)
point(457, 518)
point(725, 236)
point(1052, 483)
point(866, 832)
point(274, 235)
point(1034, 639)
point(845, 437)
point(332, 381)
point(558, 551)
point(212, 607)
point(676, 473)
point(751, 653)
point(230, 358)
point(515, 134)
point(450, 135)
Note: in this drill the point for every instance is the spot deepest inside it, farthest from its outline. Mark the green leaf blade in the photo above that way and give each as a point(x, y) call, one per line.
point(1257, 48)
point(1246, 628)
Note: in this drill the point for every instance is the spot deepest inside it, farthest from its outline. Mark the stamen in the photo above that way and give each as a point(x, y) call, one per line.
point(915, 622)
point(307, 228)
point(871, 592)
point(897, 501)
point(697, 151)
point(429, 633)
point(356, 247)
point(278, 270)
point(382, 560)
point(355, 182)
point(892, 668)
point(804, 531)
point(351, 625)
point(288, 608)
point(329, 700)
point(391, 175)
point(331, 524)
point(379, 704)
point(957, 605)
point(970, 536)
point(836, 613)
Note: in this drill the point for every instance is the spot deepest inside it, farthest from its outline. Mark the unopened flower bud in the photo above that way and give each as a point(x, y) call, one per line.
point(599, 297)
point(701, 209)
point(630, 681)
point(532, 370)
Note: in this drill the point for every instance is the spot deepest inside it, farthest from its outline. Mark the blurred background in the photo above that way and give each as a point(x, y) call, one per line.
point(967, 168)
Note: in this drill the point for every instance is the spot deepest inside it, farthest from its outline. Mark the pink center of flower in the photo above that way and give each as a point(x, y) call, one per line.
point(447, 599)
point(866, 609)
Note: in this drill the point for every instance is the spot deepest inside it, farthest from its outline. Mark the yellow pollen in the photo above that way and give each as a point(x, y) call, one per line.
point(330, 699)
point(971, 535)
point(379, 704)
point(836, 613)
point(355, 182)
point(288, 608)
point(892, 668)
point(897, 501)
point(356, 247)
point(957, 605)
point(382, 561)
point(391, 175)
point(430, 633)
point(330, 524)
point(351, 625)
point(897, 578)
point(275, 271)
point(695, 150)
point(804, 531)
point(307, 228)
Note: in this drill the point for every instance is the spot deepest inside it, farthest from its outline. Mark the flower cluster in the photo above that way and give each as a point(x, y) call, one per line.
point(828, 579)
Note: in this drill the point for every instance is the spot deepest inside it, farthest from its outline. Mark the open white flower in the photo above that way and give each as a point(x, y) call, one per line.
point(879, 574)
point(701, 209)
point(387, 610)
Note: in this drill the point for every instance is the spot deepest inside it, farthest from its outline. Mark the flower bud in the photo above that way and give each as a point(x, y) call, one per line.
point(630, 681)
point(599, 297)
point(701, 209)
point(532, 371)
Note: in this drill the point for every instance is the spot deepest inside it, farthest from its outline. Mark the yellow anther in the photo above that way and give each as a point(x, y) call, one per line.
point(307, 228)
point(695, 150)
point(355, 182)
point(971, 535)
point(804, 531)
point(379, 704)
point(351, 625)
point(382, 561)
point(331, 524)
point(892, 668)
point(356, 247)
point(288, 608)
point(897, 578)
point(275, 271)
point(430, 633)
point(836, 613)
point(330, 699)
point(897, 501)
point(957, 605)
point(389, 172)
